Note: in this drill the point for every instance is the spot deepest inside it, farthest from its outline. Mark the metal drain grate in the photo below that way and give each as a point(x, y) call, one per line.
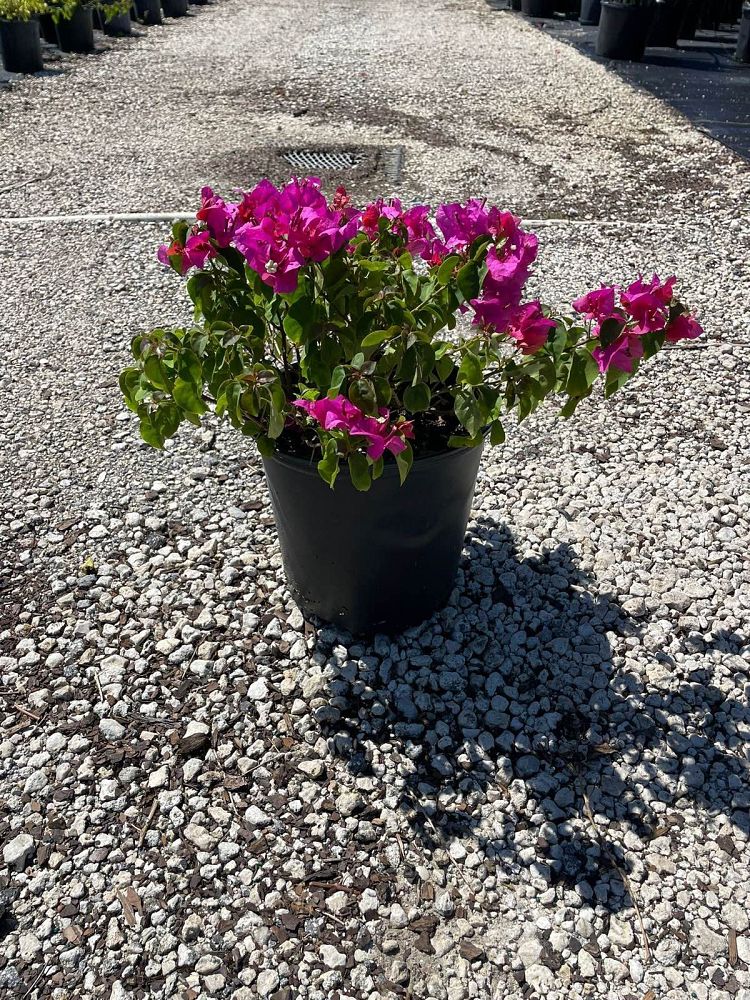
point(322, 159)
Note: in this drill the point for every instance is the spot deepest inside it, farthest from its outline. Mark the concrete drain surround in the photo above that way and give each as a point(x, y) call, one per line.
point(353, 166)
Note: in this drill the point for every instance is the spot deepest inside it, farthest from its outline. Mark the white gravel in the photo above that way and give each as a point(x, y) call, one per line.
point(543, 791)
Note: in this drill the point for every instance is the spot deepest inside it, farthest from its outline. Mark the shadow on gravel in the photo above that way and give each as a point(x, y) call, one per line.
point(515, 729)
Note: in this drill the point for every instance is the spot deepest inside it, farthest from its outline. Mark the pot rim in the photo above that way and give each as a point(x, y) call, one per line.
point(309, 466)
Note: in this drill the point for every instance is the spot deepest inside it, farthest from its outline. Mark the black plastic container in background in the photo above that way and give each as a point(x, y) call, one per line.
point(21, 46)
point(591, 11)
point(118, 24)
point(378, 561)
point(742, 52)
point(515, 4)
point(538, 8)
point(149, 11)
point(690, 17)
point(175, 8)
point(623, 29)
point(48, 28)
point(76, 33)
point(665, 25)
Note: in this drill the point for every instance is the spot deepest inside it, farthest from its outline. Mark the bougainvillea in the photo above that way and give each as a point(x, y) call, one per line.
point(330, 332)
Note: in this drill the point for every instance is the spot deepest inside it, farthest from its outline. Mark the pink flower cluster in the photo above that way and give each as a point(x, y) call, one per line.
point(340, 414)
point(277, 231)
point(509, 260)
point(644, 307)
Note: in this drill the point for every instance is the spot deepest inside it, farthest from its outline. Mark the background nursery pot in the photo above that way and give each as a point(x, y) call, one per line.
point(538, 8)
point(149, 11)
point(377, 561)
point(115, 22)
point(175, 8)
point(20, 46)
point(48, 29)
point(665, 25)
point(623, 29)
point(590, 11)
point(76, 33)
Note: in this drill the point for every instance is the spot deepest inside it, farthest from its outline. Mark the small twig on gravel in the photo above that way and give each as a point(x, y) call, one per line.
point(144, 831)
point(622, 873)
point(30, 180)
point(99, 686)
point(25, 711)
point(28, 991)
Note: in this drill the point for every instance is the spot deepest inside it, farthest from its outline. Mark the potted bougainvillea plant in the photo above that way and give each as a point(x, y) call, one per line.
point(370, 354)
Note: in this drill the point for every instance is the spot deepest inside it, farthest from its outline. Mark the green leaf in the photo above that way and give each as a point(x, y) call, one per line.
point(156, 373)
point(469, 411)
point(579, 382)
point(337, 379)
point(377, 468)
point(446, 269)
point(187, 398)
point(359, 470)
point(470, 370)
point(497, 433)
point(461, 441)
point(378, 337)
point(265, 445)
point(299, 319)
point(130, 380)
point(328, 466)
point(568, 409)
point(150, 434)
point(417, 397)
point(467, 280)
point(404, 462)
point(609, 331)
point(362, 394)
point(383, 390)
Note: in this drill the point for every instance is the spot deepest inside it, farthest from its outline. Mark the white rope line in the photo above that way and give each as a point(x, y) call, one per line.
point(34, 220)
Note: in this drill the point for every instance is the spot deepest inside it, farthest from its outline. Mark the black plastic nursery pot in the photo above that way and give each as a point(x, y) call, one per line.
point(665, 25)
point(76, 33)
point(175, 8)
point(590, 12)
point(690, 18)
point(149, 11)
point(623, 29)
point(117, 24)
point(378, 561)
point(538, 8)
point(48, 28)
point(21, 46)
point(742, 52)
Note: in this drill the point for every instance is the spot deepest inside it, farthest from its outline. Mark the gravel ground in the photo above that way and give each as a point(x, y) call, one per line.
point(542, 791)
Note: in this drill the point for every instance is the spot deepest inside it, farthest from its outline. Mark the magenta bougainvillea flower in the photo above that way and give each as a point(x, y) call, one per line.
point(647, 303)
point(218, 216)
point(193, 253)
point(340, 414)
point(282, 230)
point(597, 305)
point(530, 328)
point(644, 307)
point(683, 327)
point(508, 268)
point(621, 353)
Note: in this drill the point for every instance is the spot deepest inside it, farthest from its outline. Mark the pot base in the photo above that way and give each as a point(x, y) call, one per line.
point(379, 561)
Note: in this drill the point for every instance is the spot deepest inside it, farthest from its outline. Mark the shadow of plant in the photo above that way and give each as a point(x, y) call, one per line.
point(519, 727)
